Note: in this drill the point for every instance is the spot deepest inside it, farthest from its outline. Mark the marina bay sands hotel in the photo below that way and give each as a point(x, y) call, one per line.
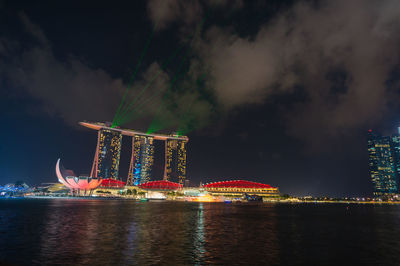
point(108, 150)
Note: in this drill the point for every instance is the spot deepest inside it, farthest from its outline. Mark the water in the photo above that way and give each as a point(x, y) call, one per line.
point(116, 232)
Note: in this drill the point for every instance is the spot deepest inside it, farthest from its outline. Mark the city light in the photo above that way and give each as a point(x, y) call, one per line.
point(384, 163)
point(107, 156)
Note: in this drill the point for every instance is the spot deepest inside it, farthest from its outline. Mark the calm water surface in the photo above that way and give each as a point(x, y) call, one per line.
point(116, 232)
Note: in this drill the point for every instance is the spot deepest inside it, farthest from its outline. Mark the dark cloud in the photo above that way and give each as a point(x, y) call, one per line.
point(71, 88)
point(304, 47)
point(340, 54)
point(164, 12)
point(34, 29)
point(75, 91)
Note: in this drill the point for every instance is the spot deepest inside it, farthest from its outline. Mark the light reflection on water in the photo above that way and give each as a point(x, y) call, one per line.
point(104, 232)
point(199, 239)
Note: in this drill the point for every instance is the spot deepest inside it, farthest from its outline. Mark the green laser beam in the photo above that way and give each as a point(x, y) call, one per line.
point(158, 124)
point(132, 115)
point(127, 110)
point(153, 125)
point(159, 108)
point(185, 114)
point(186, 121)
point(179, 73)
point(134, 73)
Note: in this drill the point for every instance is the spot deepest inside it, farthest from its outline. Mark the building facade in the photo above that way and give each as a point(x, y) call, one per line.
point(108, 154)
point(170, 159)
point(396, 155)
point(181, 161)
point(175, 160)
point(384, 163)
point(240, 188)
point(144, 159)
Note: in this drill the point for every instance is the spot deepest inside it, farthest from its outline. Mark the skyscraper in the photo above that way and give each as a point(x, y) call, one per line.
point(170, 159)
point(181, 169)
point(107, 154)
point(144, 158)
point(175, 160)
point(396, 154)
point(382, 164)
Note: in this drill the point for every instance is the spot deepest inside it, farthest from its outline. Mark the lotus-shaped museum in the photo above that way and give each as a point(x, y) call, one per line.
point(68, 179)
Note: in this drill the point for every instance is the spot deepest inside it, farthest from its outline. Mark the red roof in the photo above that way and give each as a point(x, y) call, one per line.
point(238, 184)
point(160, 184)
point(112, 183)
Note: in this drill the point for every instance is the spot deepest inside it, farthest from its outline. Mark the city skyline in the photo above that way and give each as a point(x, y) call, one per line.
point(200, 132)
point(277, 92)
point(384, 162)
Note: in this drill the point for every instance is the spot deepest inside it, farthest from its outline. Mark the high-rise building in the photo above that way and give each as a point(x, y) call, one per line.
point(108, 154)
point(396, 154)
point(181, 169)
point(129, 180)
point(144, 158)
point(175, 160)
point(382, 164)
point(170, 159)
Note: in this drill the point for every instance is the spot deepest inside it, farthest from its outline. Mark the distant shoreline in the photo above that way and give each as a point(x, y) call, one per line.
point(158, 200)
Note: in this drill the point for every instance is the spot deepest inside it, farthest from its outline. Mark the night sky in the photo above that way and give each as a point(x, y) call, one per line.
point(280, 92)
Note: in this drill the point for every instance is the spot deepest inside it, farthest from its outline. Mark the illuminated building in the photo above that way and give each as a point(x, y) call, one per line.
point(396, 155)
point(382, 166)
point(170, 158)
point(110, 188)
point(82, 183)
point(175, 160)
point(181, 171)
point(240, 187)
point(159, 189)
point(160, 185)
point(144, 158)
point(106, 162)
point(112, 183)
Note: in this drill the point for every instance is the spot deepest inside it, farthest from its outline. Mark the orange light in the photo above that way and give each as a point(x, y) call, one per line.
point(205, 198)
